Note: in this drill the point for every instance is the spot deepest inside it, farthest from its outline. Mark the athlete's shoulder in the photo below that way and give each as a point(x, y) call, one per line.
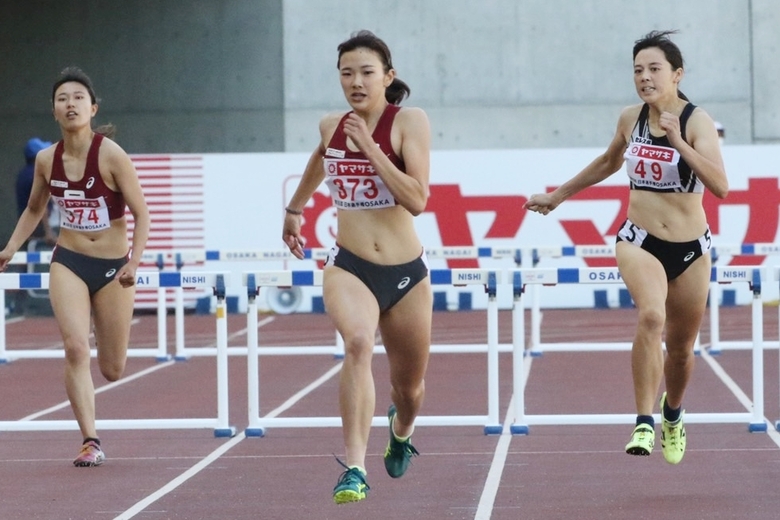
point(631, 111)
point(412, 117)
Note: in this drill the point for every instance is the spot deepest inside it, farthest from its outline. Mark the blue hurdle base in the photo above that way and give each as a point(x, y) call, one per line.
point(519, 429)
point(225, 432)
point(757, 427)
point(495, 429)
point(255, 432)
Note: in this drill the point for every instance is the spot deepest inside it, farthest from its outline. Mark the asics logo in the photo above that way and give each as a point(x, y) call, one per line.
point(90, 182)
point(404, 282)
point(688, 256)
point(110, 273)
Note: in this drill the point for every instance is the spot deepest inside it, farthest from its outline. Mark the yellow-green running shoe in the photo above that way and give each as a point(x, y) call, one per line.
point(642, 440)
point(351, 487)
point(672, 436)
point(398, 454)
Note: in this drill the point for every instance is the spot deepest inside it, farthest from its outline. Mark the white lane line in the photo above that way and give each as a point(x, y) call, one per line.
point(128, 379)
point(493, 480)
point(102, 389)
point(216, 454)
point(181, 479)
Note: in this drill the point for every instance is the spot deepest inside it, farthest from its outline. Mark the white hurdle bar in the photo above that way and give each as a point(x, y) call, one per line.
point(254, 281)
point(220, 424)
point(523, 277)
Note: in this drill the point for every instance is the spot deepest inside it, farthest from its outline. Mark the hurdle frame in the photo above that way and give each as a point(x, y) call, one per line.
point(257, 425)
point(220, 424)
point(553, 276)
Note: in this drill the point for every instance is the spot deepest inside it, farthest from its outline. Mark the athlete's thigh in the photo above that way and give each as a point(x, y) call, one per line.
point(687, 302)
point(406, 332)
point(349, 303)
point(112, 312)
point(643, 275)
point(70, 302)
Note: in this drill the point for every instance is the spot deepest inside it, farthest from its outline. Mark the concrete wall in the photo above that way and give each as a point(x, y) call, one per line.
point(537, 73)
point(186, 76)
point(256, 75)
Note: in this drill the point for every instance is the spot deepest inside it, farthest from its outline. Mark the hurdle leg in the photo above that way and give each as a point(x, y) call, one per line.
point(494, 425)
point(536, 321)
point(162, 326)
point(518, 366)
point(253, 366)
point(223, 429)
point(757, 423)
point(181, 353)
point(714, 318)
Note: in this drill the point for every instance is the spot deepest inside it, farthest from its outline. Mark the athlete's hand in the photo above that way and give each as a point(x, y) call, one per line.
point(670, 124)
point(126, 275)
point(291, 234)
point(356, 129)
point(5, 258)
point(541, 203)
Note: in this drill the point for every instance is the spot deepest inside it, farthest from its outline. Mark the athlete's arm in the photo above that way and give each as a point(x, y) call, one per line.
point(703, 152)
point(409, 188)
point(126, 178)
point(313, 175)
point(599, 169)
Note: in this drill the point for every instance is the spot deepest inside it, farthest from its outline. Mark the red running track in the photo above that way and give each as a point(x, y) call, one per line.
point(554, 472)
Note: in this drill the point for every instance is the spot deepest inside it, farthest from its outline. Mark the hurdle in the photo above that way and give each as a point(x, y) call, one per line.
point(184, 256)
point(536, 254)
point(608, 251)
point(254, 281)
point(757, 249)
point(220, 424)
point(522, 277)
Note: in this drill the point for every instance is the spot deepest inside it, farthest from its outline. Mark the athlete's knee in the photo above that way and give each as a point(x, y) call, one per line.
point(112, 369)
point(651, 320)
point(359, 345)
point(409, 391)
point(77, 352)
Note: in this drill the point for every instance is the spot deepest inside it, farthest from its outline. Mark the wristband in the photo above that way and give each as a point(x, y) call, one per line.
point(293, 211)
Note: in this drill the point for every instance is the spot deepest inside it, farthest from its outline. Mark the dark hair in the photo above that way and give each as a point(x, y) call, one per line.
point(661, 40)
point(73, 73)
point(364, 39)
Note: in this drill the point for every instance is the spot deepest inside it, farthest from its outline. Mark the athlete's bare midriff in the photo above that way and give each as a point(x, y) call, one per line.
point(382, 236)
point(674, 217)
point(107, 243)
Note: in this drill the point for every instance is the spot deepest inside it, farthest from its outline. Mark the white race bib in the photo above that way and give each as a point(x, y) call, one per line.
point(654, 167)
point(82, 214)
point(354, 184)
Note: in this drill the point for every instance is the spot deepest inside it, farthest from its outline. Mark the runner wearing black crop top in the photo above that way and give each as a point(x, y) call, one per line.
point(672, 154)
